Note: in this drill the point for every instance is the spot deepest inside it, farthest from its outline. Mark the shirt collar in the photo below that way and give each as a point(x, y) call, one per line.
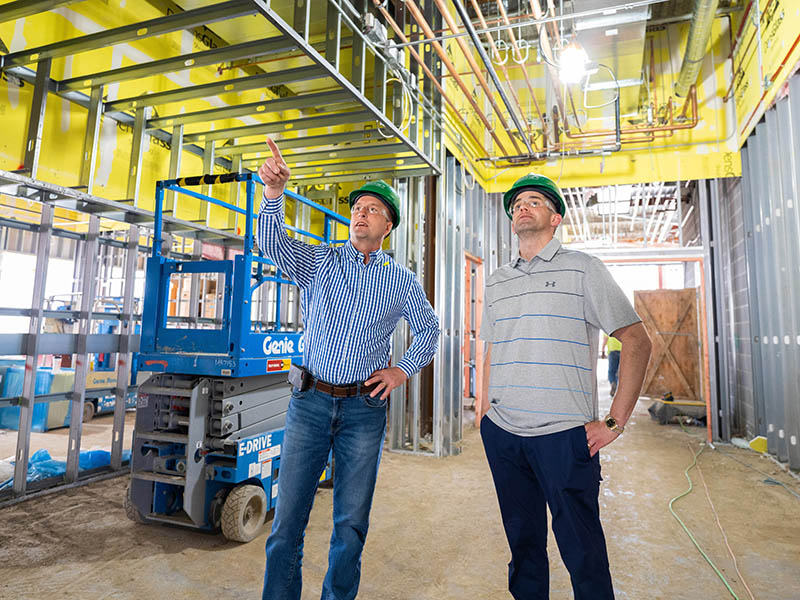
point(352, 253)
point(547, 253)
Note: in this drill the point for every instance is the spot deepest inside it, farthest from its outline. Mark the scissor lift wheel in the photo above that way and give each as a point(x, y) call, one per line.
point(88, 411)
point(130, 510)
point(243, 513)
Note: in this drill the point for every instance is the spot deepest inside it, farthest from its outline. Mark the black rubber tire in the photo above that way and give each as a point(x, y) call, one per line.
point(243, 513)
point(215, 510)
point(88, 410)
point(130, 510)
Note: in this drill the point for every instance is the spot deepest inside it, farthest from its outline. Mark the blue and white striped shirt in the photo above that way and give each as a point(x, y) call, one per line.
point(350, 309)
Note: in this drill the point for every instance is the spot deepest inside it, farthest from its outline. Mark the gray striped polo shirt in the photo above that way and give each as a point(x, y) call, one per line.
point(542, 318)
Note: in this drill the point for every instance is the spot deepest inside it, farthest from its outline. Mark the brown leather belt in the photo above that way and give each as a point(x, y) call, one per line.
point(342, 391)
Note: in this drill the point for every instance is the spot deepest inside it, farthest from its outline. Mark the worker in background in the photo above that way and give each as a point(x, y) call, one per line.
point(614, 346)
point(352, 298)
point(542, 434)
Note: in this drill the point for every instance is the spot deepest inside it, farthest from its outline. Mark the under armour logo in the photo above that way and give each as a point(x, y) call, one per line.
point(549, 284)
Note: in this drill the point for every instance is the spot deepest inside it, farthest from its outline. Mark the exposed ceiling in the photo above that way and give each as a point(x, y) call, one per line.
point(259, 68)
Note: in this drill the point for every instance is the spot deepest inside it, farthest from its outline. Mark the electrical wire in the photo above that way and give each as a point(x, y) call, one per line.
point(686, 529)
point(542, 55)
point(586, 89)
point(768, 478)
point(724, 536)
point(406, 106)
point(464, 175)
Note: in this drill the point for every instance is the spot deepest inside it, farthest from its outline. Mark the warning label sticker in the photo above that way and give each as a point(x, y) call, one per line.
point(266, 469)
point(277, 364)
point(269, 453)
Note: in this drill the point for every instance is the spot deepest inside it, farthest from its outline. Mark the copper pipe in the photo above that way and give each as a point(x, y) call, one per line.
point(653, 129)
point(490, 39)
point(446, 61)
point(523, 69)
point(462, 74)
point(574, 112)
point(524, 16)
point(551, 11)
point(399, 32)
point(527, 16)
point(556, 132)
point(419, 17)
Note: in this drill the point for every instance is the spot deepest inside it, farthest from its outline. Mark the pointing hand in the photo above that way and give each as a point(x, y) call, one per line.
point(274, 172)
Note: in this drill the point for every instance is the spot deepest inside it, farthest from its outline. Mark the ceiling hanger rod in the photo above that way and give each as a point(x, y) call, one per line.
point(554, 19)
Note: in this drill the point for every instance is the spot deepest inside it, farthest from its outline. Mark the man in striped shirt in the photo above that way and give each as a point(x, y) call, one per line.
point(352, 298)
point(542, 432)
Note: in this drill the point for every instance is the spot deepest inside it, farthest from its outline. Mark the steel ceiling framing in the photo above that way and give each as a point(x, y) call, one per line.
point(346, 104)
point(20, 186)
point(313, 82)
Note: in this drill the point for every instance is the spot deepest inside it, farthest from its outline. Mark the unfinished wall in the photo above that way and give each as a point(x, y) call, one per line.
point(771, 180)
point(736, 302)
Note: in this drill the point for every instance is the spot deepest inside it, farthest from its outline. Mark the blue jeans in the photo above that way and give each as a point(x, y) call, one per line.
point(613, 366)
point(555, 470)
point(354, 427)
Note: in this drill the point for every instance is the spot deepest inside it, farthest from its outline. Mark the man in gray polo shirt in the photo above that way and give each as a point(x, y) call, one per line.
point(542, 315)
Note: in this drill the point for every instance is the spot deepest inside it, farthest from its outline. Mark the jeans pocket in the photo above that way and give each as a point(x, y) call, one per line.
point(375, 402)
point(296, 393)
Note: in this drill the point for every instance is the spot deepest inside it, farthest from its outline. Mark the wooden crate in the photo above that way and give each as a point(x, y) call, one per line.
point(670, 317)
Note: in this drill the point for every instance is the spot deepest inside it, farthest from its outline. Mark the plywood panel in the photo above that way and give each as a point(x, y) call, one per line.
point(670, 317)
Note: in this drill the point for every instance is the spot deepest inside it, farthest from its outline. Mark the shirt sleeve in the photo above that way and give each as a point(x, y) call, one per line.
point(296, 259)
point(424, 326)
point(605, 304)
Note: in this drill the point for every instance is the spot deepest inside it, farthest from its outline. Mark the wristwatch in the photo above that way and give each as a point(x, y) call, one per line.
point(612, 424)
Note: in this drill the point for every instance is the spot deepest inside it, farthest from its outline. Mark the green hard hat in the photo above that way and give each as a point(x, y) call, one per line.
point(539, 183)
point(383, 191)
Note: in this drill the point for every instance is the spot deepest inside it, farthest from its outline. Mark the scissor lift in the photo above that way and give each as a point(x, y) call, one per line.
point(209, 422)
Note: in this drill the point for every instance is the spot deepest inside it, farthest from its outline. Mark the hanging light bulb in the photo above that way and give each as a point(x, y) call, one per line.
point(572, 63)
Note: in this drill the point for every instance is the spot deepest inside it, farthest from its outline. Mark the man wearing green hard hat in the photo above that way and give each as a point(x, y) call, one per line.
point(542, 429)
point(352, 296)
point(383, 192)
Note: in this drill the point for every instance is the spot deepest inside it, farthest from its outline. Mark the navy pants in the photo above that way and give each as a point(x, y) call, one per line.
point(555, 470)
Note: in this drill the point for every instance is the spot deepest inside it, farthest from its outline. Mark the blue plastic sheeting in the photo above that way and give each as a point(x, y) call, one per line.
point(13, 377)
point(42, 466)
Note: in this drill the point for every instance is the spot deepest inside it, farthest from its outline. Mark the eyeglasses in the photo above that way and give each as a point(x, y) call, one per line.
point(371, 210)
point(531, 204)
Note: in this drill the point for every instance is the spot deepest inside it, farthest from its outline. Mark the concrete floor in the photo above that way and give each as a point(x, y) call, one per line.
point(96, 434)
point(435, 533)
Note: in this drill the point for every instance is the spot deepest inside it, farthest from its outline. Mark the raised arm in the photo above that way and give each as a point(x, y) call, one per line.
point(297, 259)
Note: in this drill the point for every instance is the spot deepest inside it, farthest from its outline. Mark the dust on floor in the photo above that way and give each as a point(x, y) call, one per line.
point(435, 533)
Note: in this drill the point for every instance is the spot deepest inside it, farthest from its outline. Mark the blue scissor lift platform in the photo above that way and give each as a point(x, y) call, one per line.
point(209, 421)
